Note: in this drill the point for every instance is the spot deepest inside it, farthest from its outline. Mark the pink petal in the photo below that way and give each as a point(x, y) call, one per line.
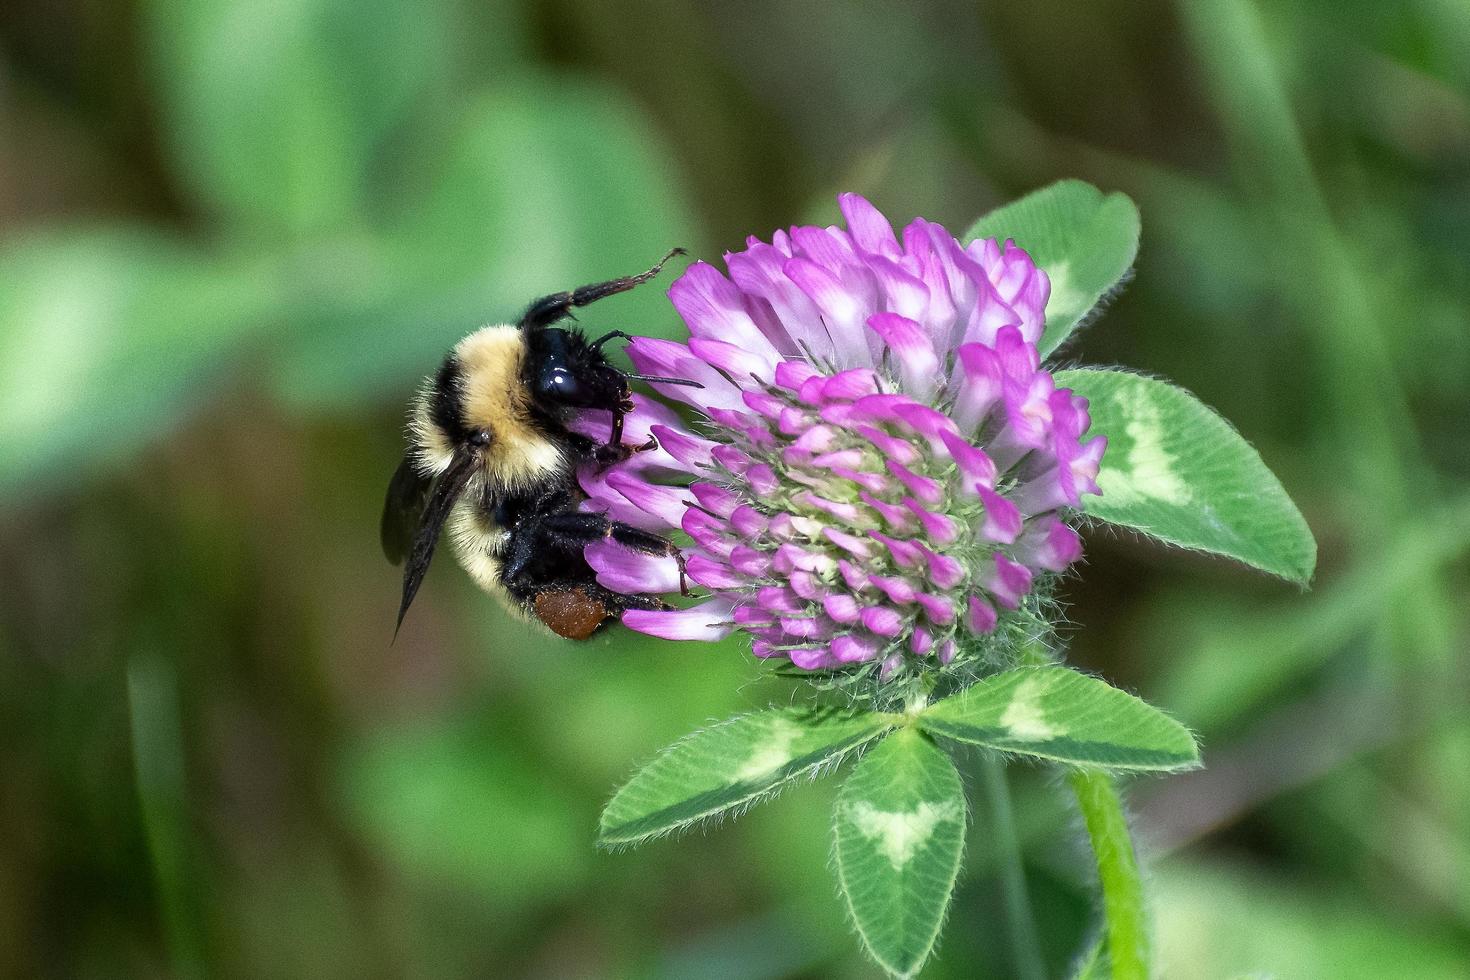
point(807, 627)
point(631, 572)
point(1051, 545)
point(713, 307)
point(716, 499)
point(850, 385)
point(944, 571)
point(811, 658)
point(1002, 518)
point(906, 553)
point(779, 599)
point(913, 350)
point(883, 621)
point(665, 505)
point(689, 450)
point(937, 527)
point(897, 518)
point(938, 609)
point(988, 317)
point(791, 375)
point(667, 359)
point(927, 490)
point(808, 586)
point(982, 617)
point(741, 364)
point(852, 649)
point(712, 574)
point(841, 607)
point(849, 543)
point(763, 480)
point(709, 532)
point(904, 294)
point(978, 386)
point(870, 231)
point(1009, 582)
point(708, 621)
point(975, 468)
point(731, 458)
point(842, 312)
point(748, 522)
point(828, 247)
point(899, 590)
point(748, 561)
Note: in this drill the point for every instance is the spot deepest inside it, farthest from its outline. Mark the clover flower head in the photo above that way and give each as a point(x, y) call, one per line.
point(881, 471)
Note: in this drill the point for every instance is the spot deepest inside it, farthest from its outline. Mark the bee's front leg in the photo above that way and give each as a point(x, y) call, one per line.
point(614, 451)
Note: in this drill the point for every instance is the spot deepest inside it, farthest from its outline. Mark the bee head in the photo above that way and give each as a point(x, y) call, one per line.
point(564, 371)
point(501, 384)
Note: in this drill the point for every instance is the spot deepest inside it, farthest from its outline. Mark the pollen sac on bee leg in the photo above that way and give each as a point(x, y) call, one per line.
point(571, 613)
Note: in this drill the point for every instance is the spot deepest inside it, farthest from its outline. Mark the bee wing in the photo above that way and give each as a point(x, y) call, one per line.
point(408, 496)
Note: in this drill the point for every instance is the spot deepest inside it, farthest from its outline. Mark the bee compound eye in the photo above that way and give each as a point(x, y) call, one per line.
point(562, 386)
point(480, 438)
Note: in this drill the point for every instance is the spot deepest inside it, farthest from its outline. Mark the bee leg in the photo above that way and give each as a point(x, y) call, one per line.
point(584, 528)
point(615, 438)
point(649, 602)
point(522, 548)
point(614, 451)
point(549, 309)
point(648, 543)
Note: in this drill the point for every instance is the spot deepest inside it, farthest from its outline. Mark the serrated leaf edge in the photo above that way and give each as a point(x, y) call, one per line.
point(933, 940)
point(1304, 581)
point(949, 730)
point(737, 808)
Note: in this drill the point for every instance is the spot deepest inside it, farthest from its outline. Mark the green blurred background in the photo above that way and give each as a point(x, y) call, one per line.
point(236, 232)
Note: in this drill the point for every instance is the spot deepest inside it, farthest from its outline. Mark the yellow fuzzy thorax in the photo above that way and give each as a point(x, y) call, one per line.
point(494, 398)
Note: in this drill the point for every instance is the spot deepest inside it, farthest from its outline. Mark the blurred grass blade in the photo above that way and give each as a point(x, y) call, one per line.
point(1176, 471)
point(158, 766)
point(1056, 713)
point(728, 766)
point(1084, 240)
point(900, 833)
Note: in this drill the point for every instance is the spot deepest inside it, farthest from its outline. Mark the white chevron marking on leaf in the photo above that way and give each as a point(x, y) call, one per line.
point(899, 835)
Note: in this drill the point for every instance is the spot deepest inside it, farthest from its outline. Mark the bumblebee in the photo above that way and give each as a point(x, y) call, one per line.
point(492, 460)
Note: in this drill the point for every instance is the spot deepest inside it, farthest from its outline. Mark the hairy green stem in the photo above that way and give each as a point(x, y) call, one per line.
point(1025, 950)
point(1117, 872)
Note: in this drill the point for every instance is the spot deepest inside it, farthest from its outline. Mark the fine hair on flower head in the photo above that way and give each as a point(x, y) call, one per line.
point(881, 473)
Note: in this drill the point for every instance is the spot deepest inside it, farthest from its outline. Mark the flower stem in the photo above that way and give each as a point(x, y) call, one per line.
point(1025, 950)
point(1117, 872)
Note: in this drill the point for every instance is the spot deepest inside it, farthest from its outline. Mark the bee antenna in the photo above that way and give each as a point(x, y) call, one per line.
point(610, 335)
point(663, 381)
